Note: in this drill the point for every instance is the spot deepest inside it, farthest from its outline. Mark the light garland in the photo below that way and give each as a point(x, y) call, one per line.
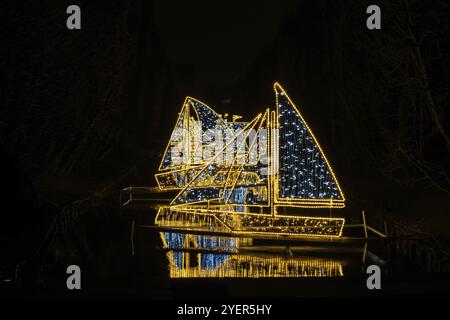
point(283, 165)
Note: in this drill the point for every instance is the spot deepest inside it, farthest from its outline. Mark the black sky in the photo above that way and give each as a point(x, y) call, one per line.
point(219, 40)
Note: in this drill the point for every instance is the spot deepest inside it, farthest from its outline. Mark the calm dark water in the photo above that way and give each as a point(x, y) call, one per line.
point(208, 266)
point(214, 266)
point(118, 261)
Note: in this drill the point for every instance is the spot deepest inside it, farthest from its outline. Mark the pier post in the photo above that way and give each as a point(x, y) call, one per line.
point(364, 222)
point(132, 238)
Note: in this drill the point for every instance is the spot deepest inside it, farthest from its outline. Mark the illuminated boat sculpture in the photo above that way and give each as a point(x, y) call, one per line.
point(242, 178)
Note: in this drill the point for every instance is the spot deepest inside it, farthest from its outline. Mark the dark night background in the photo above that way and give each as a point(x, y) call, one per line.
point(84, 113)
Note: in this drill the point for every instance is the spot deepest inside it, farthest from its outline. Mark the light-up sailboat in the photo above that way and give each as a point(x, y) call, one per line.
point(243, 178)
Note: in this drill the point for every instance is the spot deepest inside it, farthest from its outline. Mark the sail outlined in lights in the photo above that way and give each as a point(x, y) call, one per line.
point(192, 137)
point(304, 173)
point(211, 182)
point(209, 120)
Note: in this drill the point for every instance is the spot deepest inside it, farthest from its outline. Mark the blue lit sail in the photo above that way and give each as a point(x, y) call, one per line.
point(176, 138)
point(304, 172)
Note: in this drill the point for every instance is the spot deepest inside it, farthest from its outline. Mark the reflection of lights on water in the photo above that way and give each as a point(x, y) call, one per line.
point(242, 266)
point(179, 240)
point(185, 264)
point(206, 261)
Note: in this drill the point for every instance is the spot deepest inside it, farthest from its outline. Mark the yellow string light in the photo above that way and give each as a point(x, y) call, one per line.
point(200, 194)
